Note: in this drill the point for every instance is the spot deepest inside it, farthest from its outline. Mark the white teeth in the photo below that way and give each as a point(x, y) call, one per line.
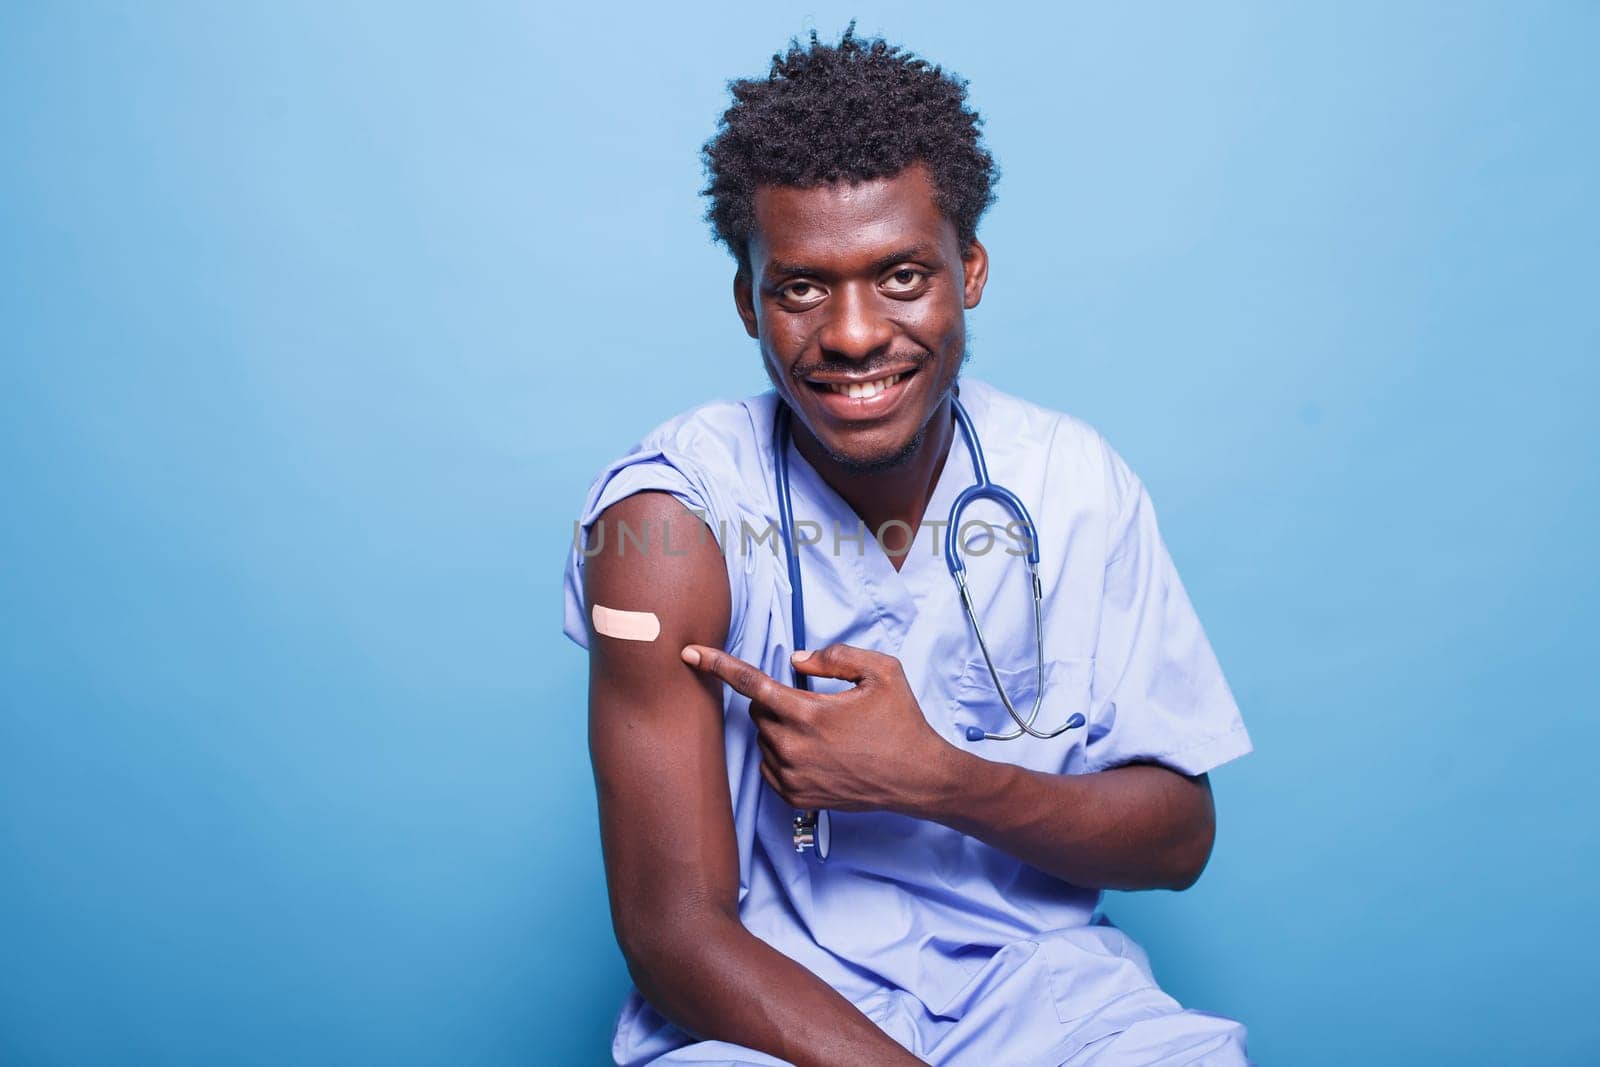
point(863, 390)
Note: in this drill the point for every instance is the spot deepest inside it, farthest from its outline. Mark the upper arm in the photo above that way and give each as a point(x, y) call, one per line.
point(656, 724)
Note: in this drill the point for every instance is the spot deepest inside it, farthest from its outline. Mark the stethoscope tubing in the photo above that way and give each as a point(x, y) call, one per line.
point(806, 823)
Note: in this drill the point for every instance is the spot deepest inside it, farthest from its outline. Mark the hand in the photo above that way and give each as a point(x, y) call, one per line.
point(865, 749)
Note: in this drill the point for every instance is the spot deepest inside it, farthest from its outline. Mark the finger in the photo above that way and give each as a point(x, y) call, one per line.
point(769, 752)
point(762, 714)
point(743, 677)
point(772, 780)
point(840, 661)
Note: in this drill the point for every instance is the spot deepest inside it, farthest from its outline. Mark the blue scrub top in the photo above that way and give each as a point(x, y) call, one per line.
point(958, 950)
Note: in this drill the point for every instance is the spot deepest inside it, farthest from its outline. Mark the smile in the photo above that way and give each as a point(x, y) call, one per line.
point(867, 400)
point(863, 390)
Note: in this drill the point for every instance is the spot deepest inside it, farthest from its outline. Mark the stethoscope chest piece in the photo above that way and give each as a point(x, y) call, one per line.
point(813, 830)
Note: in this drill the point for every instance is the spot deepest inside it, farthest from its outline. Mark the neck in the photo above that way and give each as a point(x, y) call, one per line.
point(899, 494)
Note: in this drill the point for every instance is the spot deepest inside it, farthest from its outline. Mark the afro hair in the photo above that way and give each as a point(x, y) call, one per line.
point(854, 111)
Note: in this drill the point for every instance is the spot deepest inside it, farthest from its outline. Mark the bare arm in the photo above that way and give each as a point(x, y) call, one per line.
point(1137, 827)
point(871, 749)
point(656, 740)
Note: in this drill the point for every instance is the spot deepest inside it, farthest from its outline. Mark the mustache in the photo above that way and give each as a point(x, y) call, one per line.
point(801, 371)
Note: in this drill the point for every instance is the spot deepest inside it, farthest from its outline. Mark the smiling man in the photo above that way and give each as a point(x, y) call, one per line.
point(884, 841)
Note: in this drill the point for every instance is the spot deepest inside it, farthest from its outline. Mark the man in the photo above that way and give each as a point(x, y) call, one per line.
point(955, 917)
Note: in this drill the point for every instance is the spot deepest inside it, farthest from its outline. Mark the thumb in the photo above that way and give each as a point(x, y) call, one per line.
point(837, 661)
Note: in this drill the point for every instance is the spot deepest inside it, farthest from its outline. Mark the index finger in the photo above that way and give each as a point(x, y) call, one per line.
point(743, 677)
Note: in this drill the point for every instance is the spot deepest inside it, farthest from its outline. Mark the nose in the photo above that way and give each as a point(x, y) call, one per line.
point(856, 327)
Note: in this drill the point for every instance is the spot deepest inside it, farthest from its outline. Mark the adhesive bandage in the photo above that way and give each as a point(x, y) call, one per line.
point(626, 625)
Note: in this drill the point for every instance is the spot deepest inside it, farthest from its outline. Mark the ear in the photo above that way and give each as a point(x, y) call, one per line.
point(744, 300)
point(975, 274)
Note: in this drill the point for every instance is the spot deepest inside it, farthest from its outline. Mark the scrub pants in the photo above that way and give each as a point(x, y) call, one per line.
point(1156, 1033)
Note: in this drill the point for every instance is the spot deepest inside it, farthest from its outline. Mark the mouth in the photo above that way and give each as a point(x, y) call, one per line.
point(856, 399)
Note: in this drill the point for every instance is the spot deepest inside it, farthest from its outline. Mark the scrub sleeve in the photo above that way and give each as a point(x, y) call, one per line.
point(649, 469)
point(1158, 694)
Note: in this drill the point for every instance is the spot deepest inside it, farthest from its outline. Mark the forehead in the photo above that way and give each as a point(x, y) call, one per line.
point(847, 224)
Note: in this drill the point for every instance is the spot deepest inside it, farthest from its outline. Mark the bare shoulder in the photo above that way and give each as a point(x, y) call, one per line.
point(654, 558)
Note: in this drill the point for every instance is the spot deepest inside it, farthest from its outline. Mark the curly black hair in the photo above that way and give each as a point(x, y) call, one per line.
point(854, 111)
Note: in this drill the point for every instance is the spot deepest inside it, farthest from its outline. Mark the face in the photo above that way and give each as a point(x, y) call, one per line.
point(857, 294)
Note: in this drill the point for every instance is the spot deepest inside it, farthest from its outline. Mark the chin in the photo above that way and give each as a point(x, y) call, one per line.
point(876, 461)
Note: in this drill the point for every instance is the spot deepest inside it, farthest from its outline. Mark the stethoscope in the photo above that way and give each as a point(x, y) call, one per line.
point(812, 828)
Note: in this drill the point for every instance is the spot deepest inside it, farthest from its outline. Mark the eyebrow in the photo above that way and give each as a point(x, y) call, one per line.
point(780, 269)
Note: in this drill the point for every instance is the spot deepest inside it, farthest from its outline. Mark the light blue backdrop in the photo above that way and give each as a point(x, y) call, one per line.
point(315, 324)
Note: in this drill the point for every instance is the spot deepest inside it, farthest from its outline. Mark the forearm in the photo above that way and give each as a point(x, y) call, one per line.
point(1134, 827)
point(714, 979)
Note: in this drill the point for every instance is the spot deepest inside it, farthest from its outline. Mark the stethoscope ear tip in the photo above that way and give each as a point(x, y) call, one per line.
point(977, 733)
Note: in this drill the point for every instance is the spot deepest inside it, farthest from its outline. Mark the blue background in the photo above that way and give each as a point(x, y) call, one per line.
point(315, 325)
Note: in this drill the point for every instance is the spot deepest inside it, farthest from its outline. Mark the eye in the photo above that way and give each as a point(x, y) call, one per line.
point(905, 280)
point(801, 292)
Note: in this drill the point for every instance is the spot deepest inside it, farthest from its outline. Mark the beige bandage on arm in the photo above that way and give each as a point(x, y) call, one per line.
point(626, 625)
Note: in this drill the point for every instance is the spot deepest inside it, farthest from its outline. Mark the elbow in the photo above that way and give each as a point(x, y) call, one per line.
point(660, 950)
point(640, 953)
point(651, 950)
point(1190, 856)
point(1191, 846)
point(1185, 877)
